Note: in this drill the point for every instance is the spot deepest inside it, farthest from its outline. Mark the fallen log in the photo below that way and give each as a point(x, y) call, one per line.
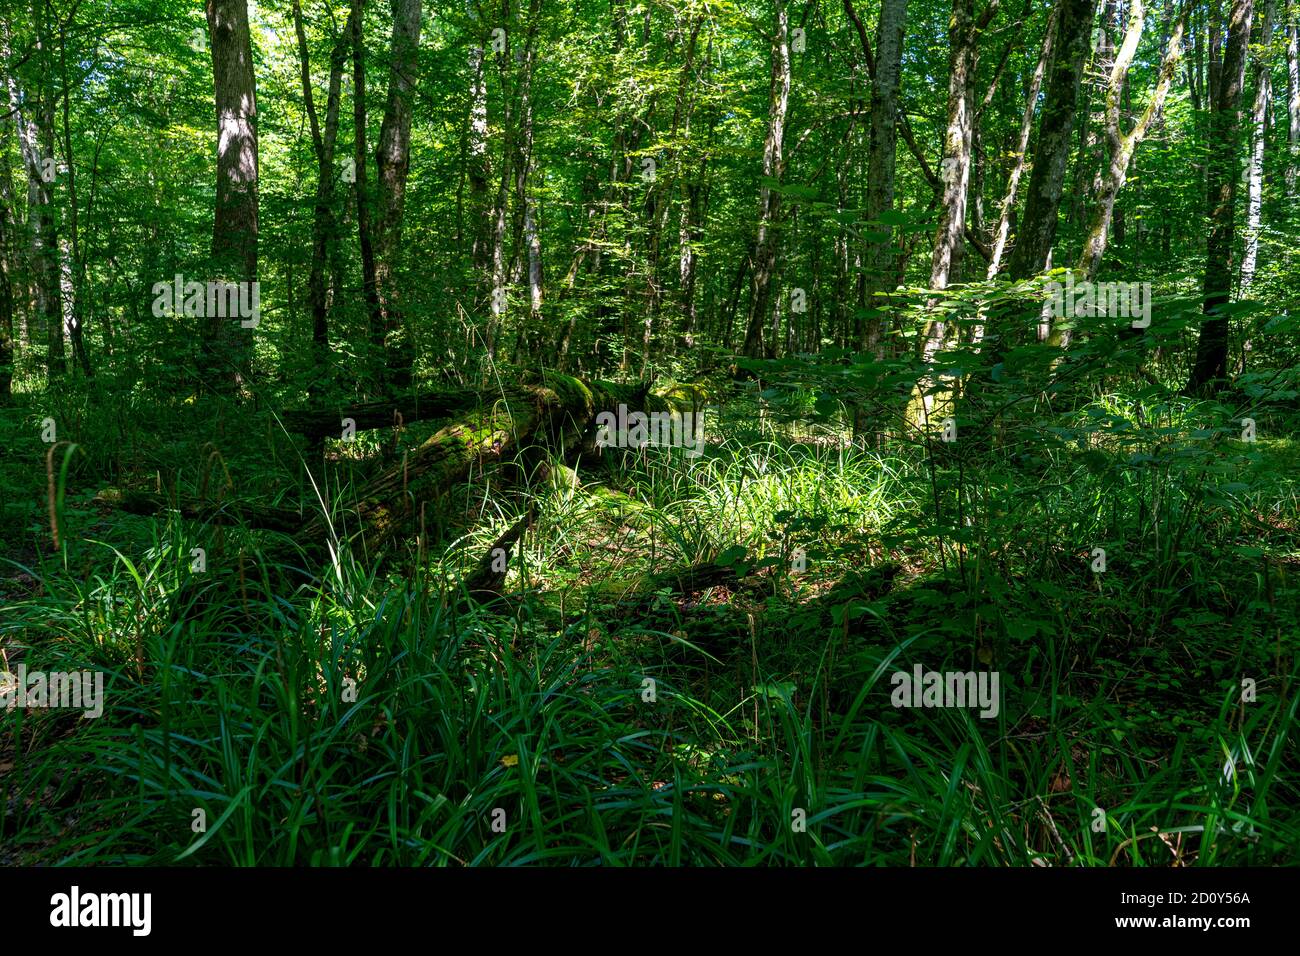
point(234, 512)
point(547, 413)
point(483, 585)
point(555, 411)
point(422, 406)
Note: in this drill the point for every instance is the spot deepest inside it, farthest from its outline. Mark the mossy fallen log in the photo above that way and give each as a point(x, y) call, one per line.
point(233, 512)
point(543, 415)
point(553, 411)
point(427, 405)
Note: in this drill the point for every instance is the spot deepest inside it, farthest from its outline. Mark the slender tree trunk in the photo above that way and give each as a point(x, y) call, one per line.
point(479, 167)
point(1258, 140)
point(879, 258)
point(878, 263)
point(1008, 207)
point(7, 249)
point(392, 164)
point(945, 260)
point(34, 123)
point(1292, 98)
point(324, 225)
point(75, 287)
point(1123, 145)
point(501, 205)
point(361, 189)
point(1052, 151)
point(1210, 367)
point(525, 188)
point(769, 199)
point(1089, 167)
point(228, 352)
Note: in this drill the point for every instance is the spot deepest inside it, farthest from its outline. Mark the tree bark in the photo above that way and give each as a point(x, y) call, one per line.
point(228, 353)
point(34, 121)
point(1008, 206)
point(361, 189)
point(75, 294)
point(324, 224)
point(1292, 98)
point(879, 257)
point(769, 200)
point(1258, 141)
point(1052, 151)
point(1210, 368)
point(1123, 145)
point(392, 164)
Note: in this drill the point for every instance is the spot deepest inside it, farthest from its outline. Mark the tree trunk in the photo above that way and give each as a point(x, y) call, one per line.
point(361, 190)
point(879, 258)
point(769, 199)
point(8, 248)
point(1258, 140)
point(228, 354)
point(1008, 207)
point(945, 259)
point(392, 164)
point(1052, 151)
point(1210, 367)
point(1123, 145)
point(556, 412)
point(75, 291)
point(1292, 98)
point(478, 166)
point(324, 225)
point(878, 262)
point(34, 121)
point(526, 177)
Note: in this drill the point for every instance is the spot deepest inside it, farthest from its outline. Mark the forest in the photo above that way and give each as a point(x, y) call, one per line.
point(650, 432)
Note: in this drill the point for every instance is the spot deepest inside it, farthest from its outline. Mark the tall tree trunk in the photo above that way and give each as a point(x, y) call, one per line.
point(879, 257)
point(392, 164)
point(661, 188)
point(1258, 139)
point(1052, 150)
point(361, 190)
point(1008, 207)
point(769, 199)
point(7, 249)
point(75, 289)
point(324, 225)
point(1292, 98)
point(528, 254)
point(478, 165)
point(1123, 145)
point(878, 263)
point(945, 259)
point(228, 353)
point(1089, 166)
point(1211, 363)
point(499, 279)
point(34, 120)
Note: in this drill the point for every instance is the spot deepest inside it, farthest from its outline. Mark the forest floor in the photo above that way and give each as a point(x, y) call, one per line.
point(694, 659)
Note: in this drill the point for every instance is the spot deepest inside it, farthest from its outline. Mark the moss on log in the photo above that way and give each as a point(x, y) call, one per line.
point(551, 410)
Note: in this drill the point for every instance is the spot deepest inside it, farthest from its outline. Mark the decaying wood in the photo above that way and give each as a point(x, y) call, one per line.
point(423, 406)
point(484, 583)
point(547, 414)
point(286, 520)
point(556, 411)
